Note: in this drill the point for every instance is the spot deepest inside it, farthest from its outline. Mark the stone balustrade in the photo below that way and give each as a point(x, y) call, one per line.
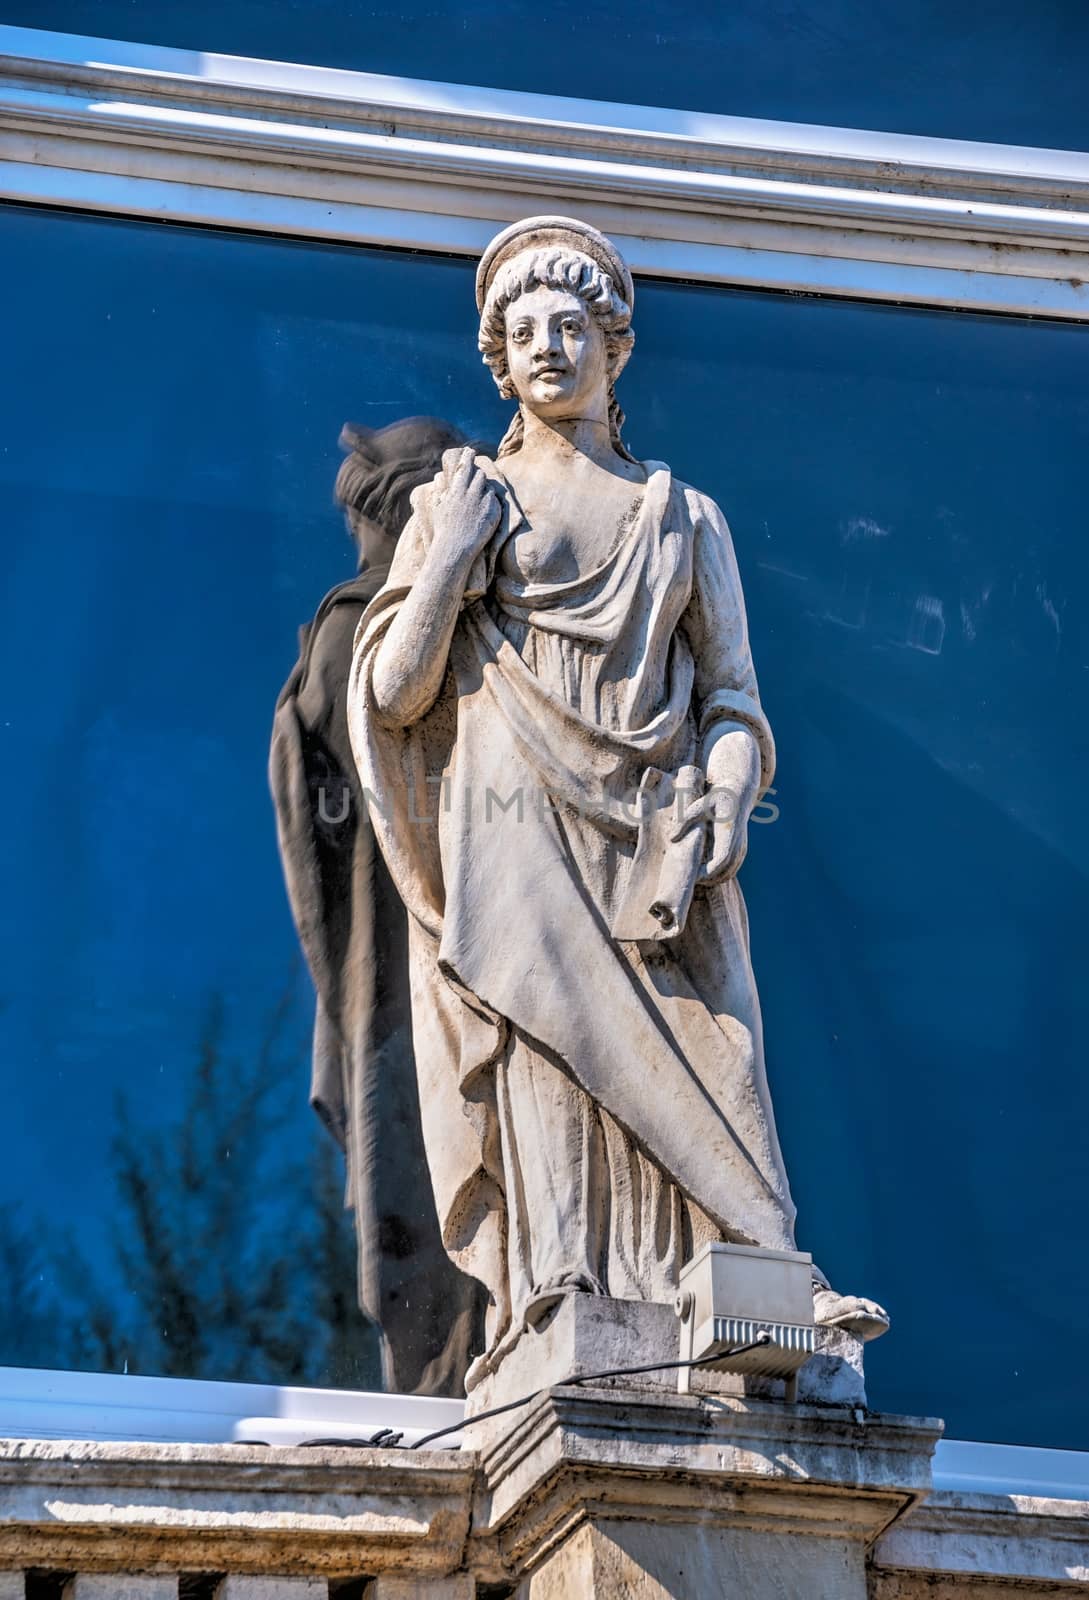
point(583, 1493)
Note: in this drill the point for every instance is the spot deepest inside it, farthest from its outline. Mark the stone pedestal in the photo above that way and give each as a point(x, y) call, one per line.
point(592, 1333)
point(605, 1492)
point(584, 1334)
point(623, 1486)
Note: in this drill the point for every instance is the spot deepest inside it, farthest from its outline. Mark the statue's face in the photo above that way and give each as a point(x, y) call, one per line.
point(555, 354)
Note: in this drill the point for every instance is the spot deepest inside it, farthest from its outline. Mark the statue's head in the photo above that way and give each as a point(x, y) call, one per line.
point(555, 320)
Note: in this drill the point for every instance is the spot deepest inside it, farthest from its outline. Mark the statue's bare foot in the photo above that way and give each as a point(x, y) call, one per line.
point(544, 1297)
point(864, 1318)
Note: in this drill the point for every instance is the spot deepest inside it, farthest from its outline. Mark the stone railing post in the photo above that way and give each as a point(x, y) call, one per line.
point(263, 1588)
point(120, 1586)
point(460, 1586)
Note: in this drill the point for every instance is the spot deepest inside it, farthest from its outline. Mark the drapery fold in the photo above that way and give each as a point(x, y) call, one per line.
point(506, 817)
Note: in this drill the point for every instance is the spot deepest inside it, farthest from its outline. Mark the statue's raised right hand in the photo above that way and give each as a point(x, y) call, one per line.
point(465, 508)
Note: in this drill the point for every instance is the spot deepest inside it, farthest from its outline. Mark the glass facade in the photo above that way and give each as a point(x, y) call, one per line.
point(904, 492)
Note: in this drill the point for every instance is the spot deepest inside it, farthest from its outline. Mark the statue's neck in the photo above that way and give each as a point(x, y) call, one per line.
point(561, 439)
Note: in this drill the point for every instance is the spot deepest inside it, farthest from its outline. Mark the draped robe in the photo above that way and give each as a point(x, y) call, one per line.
point(574, 1087)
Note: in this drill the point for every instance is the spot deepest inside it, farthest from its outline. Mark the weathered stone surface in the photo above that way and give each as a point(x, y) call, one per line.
point(723, 1463)
point(587, 1492)
point(957, 1538)
point(920, 1587)
point(121, 1586)
point(228, 1508)
point(590, 1333)
point(460, 1586)
point(834, 1374)
point(583, 1334)
point(671, 1561)
point(268, 1588)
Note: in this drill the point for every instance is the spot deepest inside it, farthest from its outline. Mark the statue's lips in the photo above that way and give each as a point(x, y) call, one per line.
point(551, 374)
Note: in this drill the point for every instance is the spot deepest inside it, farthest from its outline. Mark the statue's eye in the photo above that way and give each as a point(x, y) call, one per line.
point(520, 334)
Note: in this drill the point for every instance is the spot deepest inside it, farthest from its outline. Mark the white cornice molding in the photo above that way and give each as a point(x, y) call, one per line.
point(182, 136)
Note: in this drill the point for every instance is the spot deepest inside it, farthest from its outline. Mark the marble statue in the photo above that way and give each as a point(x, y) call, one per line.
point(352, 926)
point(556, 722)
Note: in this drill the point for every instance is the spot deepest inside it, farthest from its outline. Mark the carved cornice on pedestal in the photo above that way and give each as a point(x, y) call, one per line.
point(577, 1453)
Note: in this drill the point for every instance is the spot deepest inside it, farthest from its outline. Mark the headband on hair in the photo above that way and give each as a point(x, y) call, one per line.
point(535, 233)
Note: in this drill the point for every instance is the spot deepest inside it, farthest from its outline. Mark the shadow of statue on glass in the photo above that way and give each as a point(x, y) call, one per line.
point(352, 926)
point(554, 709)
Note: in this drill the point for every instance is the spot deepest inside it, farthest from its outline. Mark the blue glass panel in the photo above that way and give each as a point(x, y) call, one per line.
point(169, 445)
point(904, 489)
point(1013, 74)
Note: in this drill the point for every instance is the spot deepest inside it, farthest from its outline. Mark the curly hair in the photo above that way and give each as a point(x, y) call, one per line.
point(553, 267)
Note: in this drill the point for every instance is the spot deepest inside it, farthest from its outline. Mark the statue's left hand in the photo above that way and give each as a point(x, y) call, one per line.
point(727, 816)
point(732, 762)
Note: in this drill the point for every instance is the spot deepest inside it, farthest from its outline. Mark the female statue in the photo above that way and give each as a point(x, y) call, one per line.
point(555, 716)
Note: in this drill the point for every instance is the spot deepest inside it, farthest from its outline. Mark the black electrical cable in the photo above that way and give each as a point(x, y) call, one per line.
point(385, 1438)
point(389, 1438)
point(762, 1338)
